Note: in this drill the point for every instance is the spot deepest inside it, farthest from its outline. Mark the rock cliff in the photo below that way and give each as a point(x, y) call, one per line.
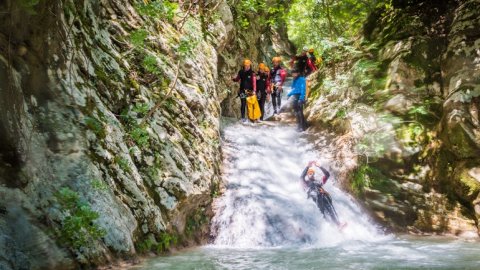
point(109, 122)
point(404, 116)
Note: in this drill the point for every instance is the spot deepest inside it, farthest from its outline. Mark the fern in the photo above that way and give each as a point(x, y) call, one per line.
point(138, 37)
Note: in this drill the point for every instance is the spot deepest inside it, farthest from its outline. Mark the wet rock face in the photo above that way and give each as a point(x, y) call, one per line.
point(422, 170)
point(77, 80)
point(462, 78)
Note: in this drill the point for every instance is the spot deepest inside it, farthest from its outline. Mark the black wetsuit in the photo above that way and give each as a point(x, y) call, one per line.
point(302, 64)
point(321, 198)
point(246, 78)
point(262, 80)
point(276, 79)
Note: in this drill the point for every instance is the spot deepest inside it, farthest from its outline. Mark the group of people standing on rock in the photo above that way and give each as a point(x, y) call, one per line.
point(262, 85)
point(256, 88)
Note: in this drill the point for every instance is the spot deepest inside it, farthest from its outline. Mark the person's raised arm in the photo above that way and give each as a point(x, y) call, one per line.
point(326, 174)
point(304, 173)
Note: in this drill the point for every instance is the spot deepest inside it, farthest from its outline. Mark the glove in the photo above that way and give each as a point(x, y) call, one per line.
point(310, 163)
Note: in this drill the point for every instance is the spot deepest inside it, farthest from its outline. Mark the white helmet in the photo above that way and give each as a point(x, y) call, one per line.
point(305, 49)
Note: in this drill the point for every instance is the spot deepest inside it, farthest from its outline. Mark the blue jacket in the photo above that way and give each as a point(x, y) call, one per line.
point(299, 87)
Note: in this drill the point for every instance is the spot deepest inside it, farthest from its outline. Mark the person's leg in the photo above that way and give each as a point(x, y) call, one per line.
point(330, 209)
point(279, 98)
point(243, 105)
point(297, 110)
point(321, 204)
point(274, 99)
point(301, 117)
point(262, 105)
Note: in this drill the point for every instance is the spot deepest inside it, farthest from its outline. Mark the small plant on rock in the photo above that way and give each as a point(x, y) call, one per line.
point(123, 164)
point(78, 227)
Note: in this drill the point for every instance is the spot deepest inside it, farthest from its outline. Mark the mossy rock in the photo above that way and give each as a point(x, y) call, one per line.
point(460, 141)
point(467, 182)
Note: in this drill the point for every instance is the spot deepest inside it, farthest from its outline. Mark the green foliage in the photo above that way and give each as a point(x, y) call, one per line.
point(170, 104)
point(140, 135)
point(411, 135)
point(78, 227)
point(166, 241)
point(186, 46)
point(29, 5)
point(367, 176)
point(215, 190)
point(245, 8)
point(146, 245)
point(158, 9)
point(335, 86)
point(361, 180)
point(96, 126)
point(138, 37)
point(136, 131)
point(364, 71)
point(270, 13)
point(123, 164)
point(141, 108)
point(150, 64)
point(328, 26)
point(341, 113)
point(419, 110)
point(99, 185)
point(196, 221)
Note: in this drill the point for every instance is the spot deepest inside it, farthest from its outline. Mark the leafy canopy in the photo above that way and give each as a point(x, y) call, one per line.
point(327, 24)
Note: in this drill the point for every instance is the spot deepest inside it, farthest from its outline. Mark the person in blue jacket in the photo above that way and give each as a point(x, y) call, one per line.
point(298, 93)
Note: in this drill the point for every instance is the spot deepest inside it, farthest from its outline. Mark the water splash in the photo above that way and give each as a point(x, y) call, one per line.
point(264, 204)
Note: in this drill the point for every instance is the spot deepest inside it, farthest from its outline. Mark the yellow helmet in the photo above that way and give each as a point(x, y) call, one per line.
point(262, 67)
point(267, 69)
point(276, 59)
point(247, 62)
point(311, 50)
point(311, 171)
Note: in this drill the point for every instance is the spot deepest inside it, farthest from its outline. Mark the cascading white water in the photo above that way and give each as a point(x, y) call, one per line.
point(264, 204)
point(265, 221)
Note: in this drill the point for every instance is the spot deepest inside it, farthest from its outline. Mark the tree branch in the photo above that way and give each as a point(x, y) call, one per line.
point(160, 102)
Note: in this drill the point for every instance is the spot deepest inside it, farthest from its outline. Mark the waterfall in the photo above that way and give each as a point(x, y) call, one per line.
point(265, 205)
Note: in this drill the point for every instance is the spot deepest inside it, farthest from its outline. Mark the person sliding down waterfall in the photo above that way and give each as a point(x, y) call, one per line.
point(316, 191)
